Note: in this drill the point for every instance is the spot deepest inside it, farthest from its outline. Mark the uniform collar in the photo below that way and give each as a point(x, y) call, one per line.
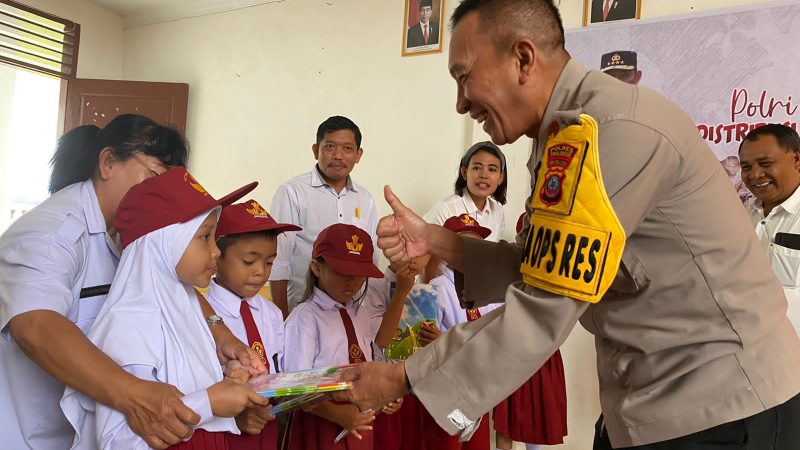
point(563, 94)
point(326, 303)
point(318, 181)
point(95, 222)
point(472, 208)
point(229, 301)
point(94, 217)
point(791, 205)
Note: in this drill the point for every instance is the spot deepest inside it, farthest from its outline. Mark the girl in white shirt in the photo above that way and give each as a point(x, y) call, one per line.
point(152, 325)
point(332, 328)
point(479, 190)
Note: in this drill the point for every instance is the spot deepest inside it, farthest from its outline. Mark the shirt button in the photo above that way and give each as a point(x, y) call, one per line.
point(763, 222)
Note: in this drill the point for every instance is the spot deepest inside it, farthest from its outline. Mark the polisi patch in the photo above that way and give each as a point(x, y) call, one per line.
point(575, 241)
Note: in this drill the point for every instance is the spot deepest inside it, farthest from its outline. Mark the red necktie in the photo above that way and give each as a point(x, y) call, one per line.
point(353, 350)
point(606, 7)
point(473, 314)
point(253, 337)
point(425, 33)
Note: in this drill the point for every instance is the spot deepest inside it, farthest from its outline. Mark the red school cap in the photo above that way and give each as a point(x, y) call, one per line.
point(347, 249)
point(172, 197)
point(465, 223)
point(249, 217)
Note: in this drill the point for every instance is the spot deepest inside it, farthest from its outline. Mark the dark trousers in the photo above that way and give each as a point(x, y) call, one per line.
point(777, 428)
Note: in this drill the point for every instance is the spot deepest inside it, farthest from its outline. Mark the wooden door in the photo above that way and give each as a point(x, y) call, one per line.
point(97, 102)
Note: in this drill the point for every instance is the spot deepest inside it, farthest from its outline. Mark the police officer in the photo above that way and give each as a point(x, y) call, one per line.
point(653, 254)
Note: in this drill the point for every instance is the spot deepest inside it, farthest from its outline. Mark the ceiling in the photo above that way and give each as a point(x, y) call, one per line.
point(145, 12)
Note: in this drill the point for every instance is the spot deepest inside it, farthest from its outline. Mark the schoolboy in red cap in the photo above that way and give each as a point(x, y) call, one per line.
point(151, 323)
point(247, 240)
point(332, 328)
point(536, 413)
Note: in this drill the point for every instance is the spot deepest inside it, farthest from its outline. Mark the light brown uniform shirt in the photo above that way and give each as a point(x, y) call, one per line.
point(693, 332)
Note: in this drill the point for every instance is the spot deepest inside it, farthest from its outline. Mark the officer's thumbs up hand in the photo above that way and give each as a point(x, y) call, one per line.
point(402, 235)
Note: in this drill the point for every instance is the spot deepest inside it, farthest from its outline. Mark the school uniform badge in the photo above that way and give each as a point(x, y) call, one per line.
point(356, 355)
point(353, 246)
point(257, 210)
point(258, 347)
point(575, 240)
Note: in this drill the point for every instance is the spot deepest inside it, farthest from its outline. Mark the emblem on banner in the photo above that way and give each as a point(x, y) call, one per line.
point(353, 246)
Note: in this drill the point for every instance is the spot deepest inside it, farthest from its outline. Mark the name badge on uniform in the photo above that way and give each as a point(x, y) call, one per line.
point(575, 241)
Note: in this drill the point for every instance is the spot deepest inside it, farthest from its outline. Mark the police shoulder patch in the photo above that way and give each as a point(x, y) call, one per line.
point(575, 241)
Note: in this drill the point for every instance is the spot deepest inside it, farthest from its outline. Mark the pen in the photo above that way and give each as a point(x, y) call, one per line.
point(344, 432)
point(358, 212)
point(340, 436)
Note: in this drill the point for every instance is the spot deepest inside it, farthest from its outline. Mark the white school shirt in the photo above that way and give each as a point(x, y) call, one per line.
point(784, 218)
point(152, 326)
point(315, 336)
point(267, 316)
point(450, 312)
point(491, 216)
point(46, 257)
point(377, 299)
point(309, 202)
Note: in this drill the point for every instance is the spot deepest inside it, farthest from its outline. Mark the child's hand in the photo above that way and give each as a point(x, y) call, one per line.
point(428, 333)
point(252, 420)
point(393, 407)
point(229, 398)
point(356, 421)
point(405, 280)
point(237, 372)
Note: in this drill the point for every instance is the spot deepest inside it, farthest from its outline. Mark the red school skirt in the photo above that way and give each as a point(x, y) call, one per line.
point(536, 413)
point(305, 431)
point(267, 440)
point(204, 440)
point(421, 432)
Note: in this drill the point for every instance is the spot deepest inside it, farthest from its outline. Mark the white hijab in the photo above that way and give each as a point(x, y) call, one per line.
point(152, 319)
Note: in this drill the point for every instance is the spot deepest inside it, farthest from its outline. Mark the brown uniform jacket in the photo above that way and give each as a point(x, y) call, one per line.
point(693, 332)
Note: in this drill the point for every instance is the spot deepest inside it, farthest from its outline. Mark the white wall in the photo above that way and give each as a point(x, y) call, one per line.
point(101, 45)
point(263, 78)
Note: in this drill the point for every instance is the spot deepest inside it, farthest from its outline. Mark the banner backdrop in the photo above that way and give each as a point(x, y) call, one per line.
point(730, 71)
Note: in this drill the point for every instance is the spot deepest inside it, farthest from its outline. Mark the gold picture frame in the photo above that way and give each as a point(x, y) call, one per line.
point(416, 30)
point(593, 11)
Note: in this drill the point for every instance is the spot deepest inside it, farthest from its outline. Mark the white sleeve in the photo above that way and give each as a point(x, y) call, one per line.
point(300, 342)
point(112, 430)
point(284, 210)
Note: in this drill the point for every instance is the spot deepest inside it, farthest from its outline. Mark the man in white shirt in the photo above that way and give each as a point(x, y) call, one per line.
point(316, 199)
point(770, 161)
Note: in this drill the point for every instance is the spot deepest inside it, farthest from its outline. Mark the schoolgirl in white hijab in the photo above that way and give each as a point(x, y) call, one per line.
point(151, 323)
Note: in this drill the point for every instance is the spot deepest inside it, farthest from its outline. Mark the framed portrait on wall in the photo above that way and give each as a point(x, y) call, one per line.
point(600, 11)
point(422, 27)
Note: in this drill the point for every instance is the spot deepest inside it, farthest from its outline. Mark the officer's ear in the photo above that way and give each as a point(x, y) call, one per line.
point(525, 54)
point(637, 77)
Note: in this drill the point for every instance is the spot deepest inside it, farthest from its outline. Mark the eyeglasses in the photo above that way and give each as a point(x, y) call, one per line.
point(154, 172)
